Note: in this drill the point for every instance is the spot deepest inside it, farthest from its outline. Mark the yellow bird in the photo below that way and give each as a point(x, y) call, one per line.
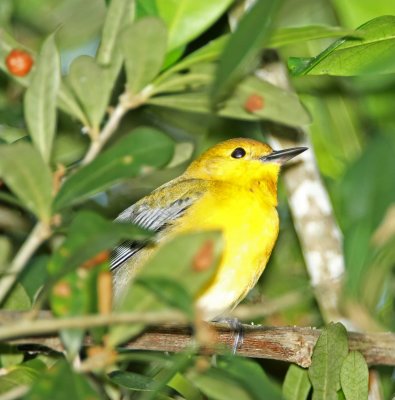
point(232, 187)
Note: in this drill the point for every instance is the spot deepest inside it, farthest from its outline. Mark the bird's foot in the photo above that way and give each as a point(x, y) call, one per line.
point(238, 332)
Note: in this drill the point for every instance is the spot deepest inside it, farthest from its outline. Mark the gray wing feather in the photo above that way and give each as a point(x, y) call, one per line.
point(153, 218)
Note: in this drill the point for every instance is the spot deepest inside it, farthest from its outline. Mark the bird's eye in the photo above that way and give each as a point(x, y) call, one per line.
point(238, 152)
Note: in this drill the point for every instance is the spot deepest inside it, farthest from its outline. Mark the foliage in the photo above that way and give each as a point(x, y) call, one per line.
point(119, 92)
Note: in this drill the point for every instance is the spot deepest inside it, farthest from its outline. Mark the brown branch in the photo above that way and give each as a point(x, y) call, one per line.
point(289, 344)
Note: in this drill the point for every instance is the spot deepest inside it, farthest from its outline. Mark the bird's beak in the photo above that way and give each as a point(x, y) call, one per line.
point(282, 156)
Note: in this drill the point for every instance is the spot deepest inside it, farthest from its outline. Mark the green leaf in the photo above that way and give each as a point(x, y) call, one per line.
point(187, 281)
point(40, 98)
point(329, 353)
point(354, 377)
point(251, 376)
point(26, 174)
point(209, 52)
point(168, 292)
point(216, 384)
point(10, 355)
point(77, 294)
point(347, 56)
point(141, 65)
point(185, 387)
point(69, 148)
point(278, 105)
point(281, 37)
point(20, 375)
point(296, 384)
point(5, 252)
point(84, 75)
point(143, 149)
point(17, 300)
point(241, 51)
point(119, 13)
point(34, 276)
point(88, 235)
point(131, 380)
point(66, 383)
point(286, 36)
point(68, 103)
point(187, 19)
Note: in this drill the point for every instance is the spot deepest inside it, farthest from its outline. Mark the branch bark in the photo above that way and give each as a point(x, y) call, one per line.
point(289, 344)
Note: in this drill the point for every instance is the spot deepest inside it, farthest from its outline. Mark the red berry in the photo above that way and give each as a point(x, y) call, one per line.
point(253, 103)
point(19, 62)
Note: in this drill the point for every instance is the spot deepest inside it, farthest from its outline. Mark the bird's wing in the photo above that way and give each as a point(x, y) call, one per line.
point(153, 215)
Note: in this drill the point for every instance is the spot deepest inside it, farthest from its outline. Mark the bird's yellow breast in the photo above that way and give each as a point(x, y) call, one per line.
point(249, 224)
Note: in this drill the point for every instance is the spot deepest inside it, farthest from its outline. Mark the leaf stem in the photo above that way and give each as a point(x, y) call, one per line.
point(37, 236)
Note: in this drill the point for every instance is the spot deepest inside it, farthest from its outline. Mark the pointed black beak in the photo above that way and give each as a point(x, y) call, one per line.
point(282, 156)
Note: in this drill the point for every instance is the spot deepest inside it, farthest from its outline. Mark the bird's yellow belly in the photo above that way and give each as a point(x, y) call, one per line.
point(250, 229)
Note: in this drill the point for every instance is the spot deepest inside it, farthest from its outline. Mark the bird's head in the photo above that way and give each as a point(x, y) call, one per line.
point(244, 162)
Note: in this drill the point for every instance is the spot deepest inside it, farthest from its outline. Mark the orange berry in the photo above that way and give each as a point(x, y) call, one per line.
point(253, 103)
point(19, 62)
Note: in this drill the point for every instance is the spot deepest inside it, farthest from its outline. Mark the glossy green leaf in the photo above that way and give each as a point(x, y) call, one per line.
point(354, 377)
point(286, 36)
point(186, 19)
point(242, 50)
point(278, 104)
point(329, 353)
point(138, 152)
point(347, 57)
point(187, 281)
point(40, 98)
point(119, 13)
point(30, 180)
point(24, 374)
point(296, 385)
point(84, 75)
point(63, 381)
point(143, 66)
point(88, 235)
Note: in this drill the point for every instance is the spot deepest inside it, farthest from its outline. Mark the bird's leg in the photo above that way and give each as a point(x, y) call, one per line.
point(238, 332)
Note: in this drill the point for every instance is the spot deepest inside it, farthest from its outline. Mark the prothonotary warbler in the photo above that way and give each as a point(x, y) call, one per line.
point(232, 187)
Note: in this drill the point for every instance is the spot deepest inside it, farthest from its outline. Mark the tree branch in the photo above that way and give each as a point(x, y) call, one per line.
point(289, 344)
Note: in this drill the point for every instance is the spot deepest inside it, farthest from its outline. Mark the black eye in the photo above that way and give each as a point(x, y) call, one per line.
point(239, 152)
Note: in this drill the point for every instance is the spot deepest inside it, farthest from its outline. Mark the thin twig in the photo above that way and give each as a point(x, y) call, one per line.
point(28, 327)
point(37, 236)
point(126, 102)
point(108, 130)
